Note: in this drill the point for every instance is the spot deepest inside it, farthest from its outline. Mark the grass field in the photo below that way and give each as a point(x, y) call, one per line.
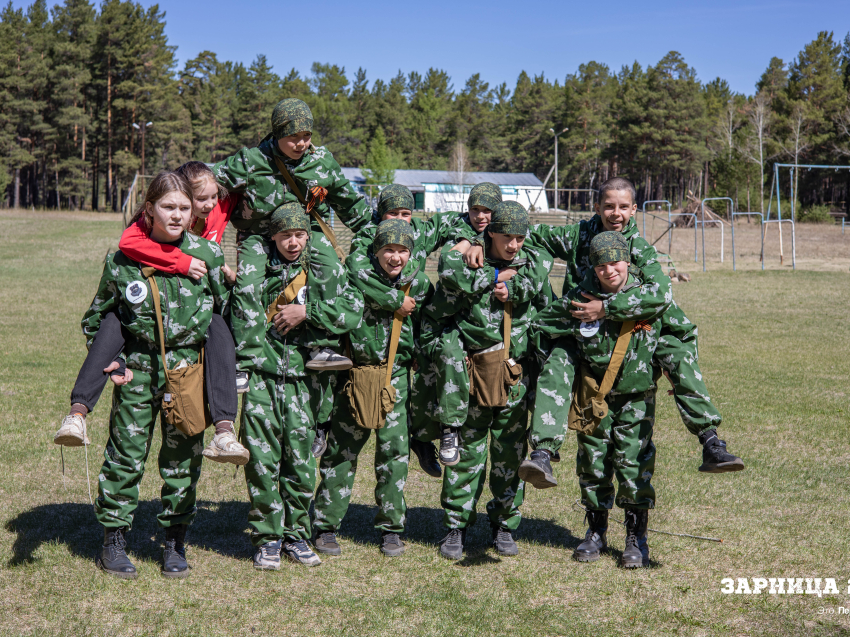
point(775, 350)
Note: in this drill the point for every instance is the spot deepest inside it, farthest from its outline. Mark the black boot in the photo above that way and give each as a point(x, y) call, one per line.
point(595, 540)
point(636, 553)
point(174, 555)
point(426, 453)
point(715, 458)
point(537, 471)
point(113, 558)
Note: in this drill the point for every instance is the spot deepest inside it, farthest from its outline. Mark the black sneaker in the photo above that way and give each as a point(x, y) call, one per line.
point(241, 382)
point(326, 543)
point(450, 447)
point(267, 556)
point(113, 556)
point(504, 543)
point(715, 458)
point(537, 471)
point(451, 546)
point(320, 443)
point(391, 544)
point(174, 555)
point(426, 453)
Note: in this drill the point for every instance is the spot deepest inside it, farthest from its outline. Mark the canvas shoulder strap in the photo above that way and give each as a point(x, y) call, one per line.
point(509, 313)
point(395, 336)
point(288, 295)
point(617, 357)
point(148, 272)
point(326, 229)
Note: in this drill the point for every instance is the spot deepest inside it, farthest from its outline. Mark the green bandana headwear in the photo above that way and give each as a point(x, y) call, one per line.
point(607, 247)
point(509, 217)
point(393, 231)
point(485, 194)
point(289, 216)
point(392, 197)
point(291, 116)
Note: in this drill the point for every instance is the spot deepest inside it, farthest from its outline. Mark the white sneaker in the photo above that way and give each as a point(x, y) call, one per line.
point(242, 384)
point(301, 552)
point(224, 447)
point(72, 433)
point(324, 358)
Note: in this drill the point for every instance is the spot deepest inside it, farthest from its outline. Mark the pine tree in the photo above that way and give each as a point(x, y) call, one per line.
point(380, 165)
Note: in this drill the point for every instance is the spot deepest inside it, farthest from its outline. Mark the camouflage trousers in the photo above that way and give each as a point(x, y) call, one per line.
point(424, 425)
point(339, 464)
point(621, 448)
point(464, 482)
point(452, 380)
point(552, 397)
point(247, 314)
point(132, 422)
point(679, 357)
point(278, 428)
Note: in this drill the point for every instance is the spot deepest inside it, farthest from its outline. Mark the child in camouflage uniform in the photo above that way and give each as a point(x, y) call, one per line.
point(187, 307)
point(256, 174)
point(284, 397)
point(389, 257)
point(477, 316)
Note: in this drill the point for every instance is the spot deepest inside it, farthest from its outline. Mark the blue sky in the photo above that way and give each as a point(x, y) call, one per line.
point(731, 39)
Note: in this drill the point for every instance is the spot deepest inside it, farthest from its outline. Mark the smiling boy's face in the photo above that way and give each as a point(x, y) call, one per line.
point(615, 209)
point(505, 246)
point(612, 276)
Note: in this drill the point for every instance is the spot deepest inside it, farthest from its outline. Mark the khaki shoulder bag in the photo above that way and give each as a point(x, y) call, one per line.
point(288, 295)
point(588, 406)
point(184, 404)
point(492, 374)
point(369, 388)
point(326, 229)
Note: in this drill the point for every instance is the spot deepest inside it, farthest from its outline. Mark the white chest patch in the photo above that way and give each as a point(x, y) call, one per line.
point(136, 292)
point(301, 299)
point(589, 329)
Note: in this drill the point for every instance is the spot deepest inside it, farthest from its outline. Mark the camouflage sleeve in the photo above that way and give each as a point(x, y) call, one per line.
point(555, 319)
point(456, 278)
point(376, 290)
point(559, 241)
point(654, 295)
point(106, 299)
point(531, 280)
point(436, 315)
point(441, 228)
point(218, 283)
point(332, 304)
point(349, 205)
point(233, 172)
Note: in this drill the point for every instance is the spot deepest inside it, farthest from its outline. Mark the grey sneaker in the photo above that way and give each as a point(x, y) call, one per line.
point(225, 448)
point(241, 382)
point(326, 543)
point(299, 551)
point(72, 433)
point(452, 545)
point(503, 542)
point(324, 358)
point(267, 556)
point(391, 544)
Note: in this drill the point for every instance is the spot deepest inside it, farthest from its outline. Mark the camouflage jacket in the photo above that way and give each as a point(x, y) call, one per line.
point(187, 306)
point(468, 302)
point(428, 235)
point(253, 173)
point(636, 374)
point(572, 244)
point(370, 341)
point(334, 307)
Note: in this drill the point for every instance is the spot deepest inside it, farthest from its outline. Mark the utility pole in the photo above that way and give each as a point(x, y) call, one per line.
point(143, 129)
point(552, 130)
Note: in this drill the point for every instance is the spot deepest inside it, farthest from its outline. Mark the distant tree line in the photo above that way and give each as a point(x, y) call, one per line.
point(89, 96)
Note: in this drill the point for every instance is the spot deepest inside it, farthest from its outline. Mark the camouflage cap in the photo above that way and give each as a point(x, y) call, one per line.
point(607, 247)
point(289, 216)
point(291, 116)
point(394, 196)
point(485, 194)
point(509, 217)
point(393, 231)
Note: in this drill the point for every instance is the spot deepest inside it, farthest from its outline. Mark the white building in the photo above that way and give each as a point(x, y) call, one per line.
point(440, 190)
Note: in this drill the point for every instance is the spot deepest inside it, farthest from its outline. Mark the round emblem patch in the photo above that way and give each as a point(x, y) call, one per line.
point(301, 299)
point(589, 329)
point(136, 292)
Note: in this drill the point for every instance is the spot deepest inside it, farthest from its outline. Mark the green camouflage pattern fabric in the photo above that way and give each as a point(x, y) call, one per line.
point(621, 448)
point(187, 307)
point(289, 216)
point(291, 116)
point(394, 196)
point(132, 423)
point(485, 194)
point(278, 428)
point(393, 232)
point(509, 217)
point(463, 483)
point(338, 466)
point(608, 247)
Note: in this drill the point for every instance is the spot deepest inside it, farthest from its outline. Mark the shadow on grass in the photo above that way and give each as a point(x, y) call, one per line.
point(218, 526)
